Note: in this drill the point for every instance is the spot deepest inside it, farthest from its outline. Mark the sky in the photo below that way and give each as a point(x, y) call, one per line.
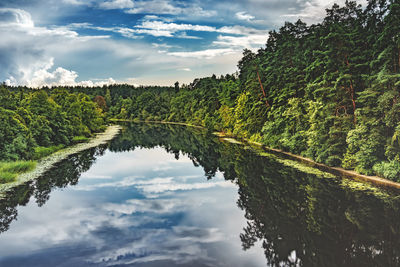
point(145, 42)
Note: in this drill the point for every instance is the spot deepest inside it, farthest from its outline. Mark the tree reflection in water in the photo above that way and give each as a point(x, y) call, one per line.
point(61, 175)
point(300, 218)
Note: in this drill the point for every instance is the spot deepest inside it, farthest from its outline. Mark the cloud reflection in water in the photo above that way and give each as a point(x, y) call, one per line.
point(134, 208)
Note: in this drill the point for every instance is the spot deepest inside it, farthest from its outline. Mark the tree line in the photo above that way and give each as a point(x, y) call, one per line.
point(34, 123)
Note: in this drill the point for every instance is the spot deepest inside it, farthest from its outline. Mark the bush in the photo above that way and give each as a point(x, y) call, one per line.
point(389, 170)
point(7, 177)
point(79, 139)
point(41, 151)
point(17, 166)
point(10, 170)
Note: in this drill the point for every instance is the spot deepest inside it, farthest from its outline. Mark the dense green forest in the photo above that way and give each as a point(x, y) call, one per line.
point(328, 91)
point(34, 123)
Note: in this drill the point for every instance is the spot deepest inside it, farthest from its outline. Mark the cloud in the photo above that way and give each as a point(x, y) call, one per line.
point(188, 243)
point(313, 11)
point(155, 185)
point(162, 45)
point(244, 16)
point(90, 51)
point(251, 41)
point(174, 27)
point(116, 4)
point(147, 205)
point(154, 7)
point(10, 17)
point(24, 59)
point(42, 76)
point(208, 53)
point(87, 175)
point(149, 27)
point(166, 7)
point(77, 2)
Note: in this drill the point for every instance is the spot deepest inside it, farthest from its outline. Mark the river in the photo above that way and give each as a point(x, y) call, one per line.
point(170, 195)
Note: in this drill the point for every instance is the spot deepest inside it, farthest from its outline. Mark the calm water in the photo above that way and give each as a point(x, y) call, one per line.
point(162, 195)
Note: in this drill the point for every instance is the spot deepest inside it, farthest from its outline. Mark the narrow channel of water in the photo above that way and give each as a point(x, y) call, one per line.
point(164, 195)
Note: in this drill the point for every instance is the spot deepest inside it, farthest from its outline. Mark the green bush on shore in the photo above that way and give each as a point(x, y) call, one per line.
point(41, 151)
point(79, 139)
point(389, 170)
point(10, 170)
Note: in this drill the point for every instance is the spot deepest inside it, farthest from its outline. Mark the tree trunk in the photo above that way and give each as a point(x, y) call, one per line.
point(262, 89)
point(353, 101)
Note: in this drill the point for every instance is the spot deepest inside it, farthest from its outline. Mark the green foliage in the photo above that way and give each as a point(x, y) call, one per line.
point(31, 120)
point(17, 166)
point(41, 151)
point(7, 177)
point(10, 170)
point(389, 170)
point(79, 139)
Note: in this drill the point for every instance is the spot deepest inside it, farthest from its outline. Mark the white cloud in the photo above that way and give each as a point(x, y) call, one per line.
point(42, 76)
point(87, 175)
point(313, 11)
point(154, 28)
point(77, 2)
point(24, 59)
point(147, 205)
point(154, 7)
point(174, 27)
point(251, 41)
point(116, 4)
point(29, 50)
point(244, 37)
point(156, 185)
point(185, 69)
point(162, 45)
point(244, 16)
point(208, 53)
point(10, 17)
point(184, 35)
point(241, 30)
point(167, 7)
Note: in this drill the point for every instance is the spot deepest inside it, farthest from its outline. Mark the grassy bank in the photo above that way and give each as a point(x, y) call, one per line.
point(47, 162)
point(10, 170)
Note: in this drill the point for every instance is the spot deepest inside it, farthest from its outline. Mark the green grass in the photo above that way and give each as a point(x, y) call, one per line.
point(42, 151)
point(10, 170)
point(80, 139)
point(7, 177)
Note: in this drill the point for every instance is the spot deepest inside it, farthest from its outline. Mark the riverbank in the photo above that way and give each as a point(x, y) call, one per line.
point(47, 162)
point(161, 122)
point(375, 180)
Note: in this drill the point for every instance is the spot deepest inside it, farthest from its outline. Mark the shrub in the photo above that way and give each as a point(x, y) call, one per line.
point(80, 139)
point(389, 170)
point(10, 170)
point(7, 177)
point(41, 151)
point(17, 166)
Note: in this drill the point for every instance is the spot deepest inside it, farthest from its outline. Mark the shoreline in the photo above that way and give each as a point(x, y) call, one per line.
point(114, 129)
point(47, 162)
point(351, 174)
point(337, 171)
point(160, 122)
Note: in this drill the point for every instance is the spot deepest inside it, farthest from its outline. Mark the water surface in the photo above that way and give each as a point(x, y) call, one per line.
point(161, 195)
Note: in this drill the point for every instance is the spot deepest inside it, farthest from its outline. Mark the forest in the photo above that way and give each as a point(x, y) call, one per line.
point(327, 91)
point(36, 123)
